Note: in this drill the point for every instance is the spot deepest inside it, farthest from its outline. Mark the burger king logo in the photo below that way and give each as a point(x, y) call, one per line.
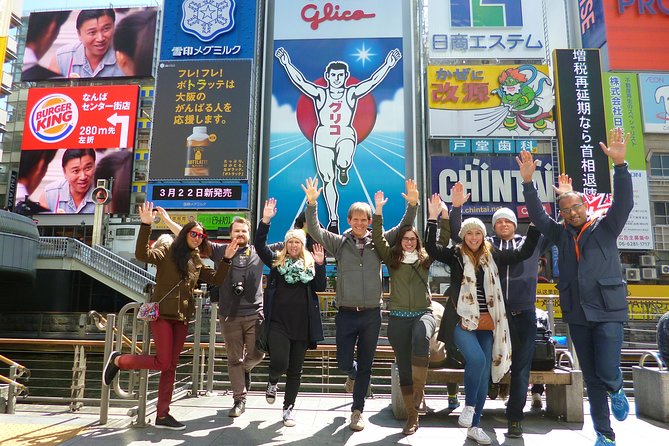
point(54, 118)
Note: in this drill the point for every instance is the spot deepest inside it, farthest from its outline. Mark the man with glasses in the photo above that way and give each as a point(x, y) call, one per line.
point(240, 306)
point(593, 293)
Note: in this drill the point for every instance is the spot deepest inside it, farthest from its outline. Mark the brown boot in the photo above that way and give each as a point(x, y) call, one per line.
point(419, 375)
point(412, 414)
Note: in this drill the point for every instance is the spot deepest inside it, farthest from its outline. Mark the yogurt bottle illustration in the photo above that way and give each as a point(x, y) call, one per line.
point(197, 163)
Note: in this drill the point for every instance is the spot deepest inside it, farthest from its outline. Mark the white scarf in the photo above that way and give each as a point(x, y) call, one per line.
point(468, 309)
point(410, 257)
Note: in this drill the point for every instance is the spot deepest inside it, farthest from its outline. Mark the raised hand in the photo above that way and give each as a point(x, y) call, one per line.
point(411, 195)
point(379, 202)
point(564, 184)
point(282, 55)
point(526, 164)
point(311, 190)
point(444, 210)
point(434, 207)
point(269, 211)
point(231, 249)
point(146, 212)
point(458, 195)
point(318, 253)
point(393, 57)
point(618, 146)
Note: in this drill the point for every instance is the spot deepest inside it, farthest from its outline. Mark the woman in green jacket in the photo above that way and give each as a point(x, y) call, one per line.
point(411, 323)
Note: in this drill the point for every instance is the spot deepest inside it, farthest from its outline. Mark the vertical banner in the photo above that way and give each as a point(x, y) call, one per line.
point(337, 107)
point(655, 102)
point(206, 29)
point(201, 120)
point(581, 120)
point(621, 101)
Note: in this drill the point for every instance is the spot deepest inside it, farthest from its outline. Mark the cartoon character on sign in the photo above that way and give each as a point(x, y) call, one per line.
point(520, 92)
point(207, 19)
point(662, 97)
point(335, 136)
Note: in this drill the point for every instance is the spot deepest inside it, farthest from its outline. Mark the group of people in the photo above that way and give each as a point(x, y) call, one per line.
point(105, 48)
point(489, 316)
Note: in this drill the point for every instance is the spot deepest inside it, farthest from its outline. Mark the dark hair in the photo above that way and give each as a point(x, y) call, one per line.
point(30, 159)
point(180, 251)
point(71, 154)
point(337, 65)
point(119, 166)
point(397, 253)
point(134, 37)
point(571, 193)
point(39, 23)
point(89, 14)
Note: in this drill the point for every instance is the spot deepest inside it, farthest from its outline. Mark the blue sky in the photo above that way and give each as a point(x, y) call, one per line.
point(44, 5)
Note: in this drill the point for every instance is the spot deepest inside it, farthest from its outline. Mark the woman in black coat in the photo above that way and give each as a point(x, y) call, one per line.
point(291, 306)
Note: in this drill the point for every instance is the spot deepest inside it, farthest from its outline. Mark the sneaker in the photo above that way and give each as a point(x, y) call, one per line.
point(343, 176)
point(349, 385)
point(111, 369)
point(237, 409)
point(515, 430)
point(536, 401)
point(453, 402)
point(604, 441)
point(333, 226)
point(357, 421)
point(247, 381)
point(466, 417)
point(493, 391)
point(477, 434)
point(620, 407)
point(168, 422)
point(270, 393)
point(289, 416)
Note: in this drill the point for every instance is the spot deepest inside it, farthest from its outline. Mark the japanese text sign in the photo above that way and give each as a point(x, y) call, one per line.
point(201, 120)
point(199, 196)
point(80, 117)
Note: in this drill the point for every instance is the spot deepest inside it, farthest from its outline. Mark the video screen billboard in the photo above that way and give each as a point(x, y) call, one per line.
point(61, 181)
point(100, 43)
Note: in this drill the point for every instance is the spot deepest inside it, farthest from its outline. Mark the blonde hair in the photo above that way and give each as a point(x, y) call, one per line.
point(485, 251)
point(305, 255)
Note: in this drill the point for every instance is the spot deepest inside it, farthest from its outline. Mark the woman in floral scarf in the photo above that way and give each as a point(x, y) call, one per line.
point(291, 307)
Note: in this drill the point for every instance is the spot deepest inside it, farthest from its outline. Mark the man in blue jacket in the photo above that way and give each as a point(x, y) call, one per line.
point(593, 293)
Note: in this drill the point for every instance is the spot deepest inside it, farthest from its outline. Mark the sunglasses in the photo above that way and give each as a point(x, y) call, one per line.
point(199, 235)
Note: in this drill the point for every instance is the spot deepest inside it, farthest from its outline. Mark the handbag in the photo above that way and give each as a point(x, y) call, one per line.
point(150, 311)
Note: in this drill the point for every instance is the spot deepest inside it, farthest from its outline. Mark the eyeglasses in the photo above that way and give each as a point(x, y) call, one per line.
point(199, 235)
point(574, 208)
point(409, 239)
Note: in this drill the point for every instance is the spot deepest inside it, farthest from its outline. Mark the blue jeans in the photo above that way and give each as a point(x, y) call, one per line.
point(476, 347)
point(359, 328)
point(523, 326)
point(598, 346)
point(663, 338)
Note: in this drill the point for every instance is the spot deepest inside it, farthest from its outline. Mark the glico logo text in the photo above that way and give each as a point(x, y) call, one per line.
point(54, 118)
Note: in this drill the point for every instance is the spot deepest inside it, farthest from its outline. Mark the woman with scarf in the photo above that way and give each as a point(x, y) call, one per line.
point(292, 309)
point(178, 269)
point(411, 323)
point(475, 317)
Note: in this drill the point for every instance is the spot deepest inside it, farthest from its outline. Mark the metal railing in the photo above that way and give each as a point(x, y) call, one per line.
point(15, 388)
point(99, 259)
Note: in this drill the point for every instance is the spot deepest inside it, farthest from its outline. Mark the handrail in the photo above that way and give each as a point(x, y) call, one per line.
point(99, 259)
point(652, 354)
point(101, 323)
point(19, 367)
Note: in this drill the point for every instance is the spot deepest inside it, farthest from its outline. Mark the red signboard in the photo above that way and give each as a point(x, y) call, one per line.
point(637, 32)
point(81, 117)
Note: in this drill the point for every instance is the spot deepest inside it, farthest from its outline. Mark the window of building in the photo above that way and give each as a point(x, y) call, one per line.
point(662, 212)
point(659, 165)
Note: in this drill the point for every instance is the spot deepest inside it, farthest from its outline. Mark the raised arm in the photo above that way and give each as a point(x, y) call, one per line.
point(517, 255)
point(375, 79)
point(436, 251)
point(143, 251)
point(623, 194)
point(411, 196)
point(171, 224)
point(295, 76)
point(459, 198)
point(380, 242)
point(329, 240)
point(320, 278)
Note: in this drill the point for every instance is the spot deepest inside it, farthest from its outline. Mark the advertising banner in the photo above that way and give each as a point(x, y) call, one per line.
point(484, 100)
point(203, 29)
point(493, 182)
point(655, 102)
point(211, 221)
point(338, 107)
point(61, 181)
point(100, 43)
point(201, 120)
point(621, 101)
point(80, 117)
point(593, 28)
point(581, 119)
point(480, 29)
point(198, 196)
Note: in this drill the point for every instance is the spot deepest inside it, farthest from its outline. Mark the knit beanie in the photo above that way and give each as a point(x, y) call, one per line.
point(471, 223)
point(504, 213)
point(298, 234)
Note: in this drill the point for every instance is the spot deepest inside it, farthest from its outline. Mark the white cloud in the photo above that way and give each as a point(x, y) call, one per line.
point(390, 115)
point(283, 118)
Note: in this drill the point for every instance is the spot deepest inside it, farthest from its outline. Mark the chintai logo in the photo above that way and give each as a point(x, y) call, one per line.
point(53, 118)
point(486, 13)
